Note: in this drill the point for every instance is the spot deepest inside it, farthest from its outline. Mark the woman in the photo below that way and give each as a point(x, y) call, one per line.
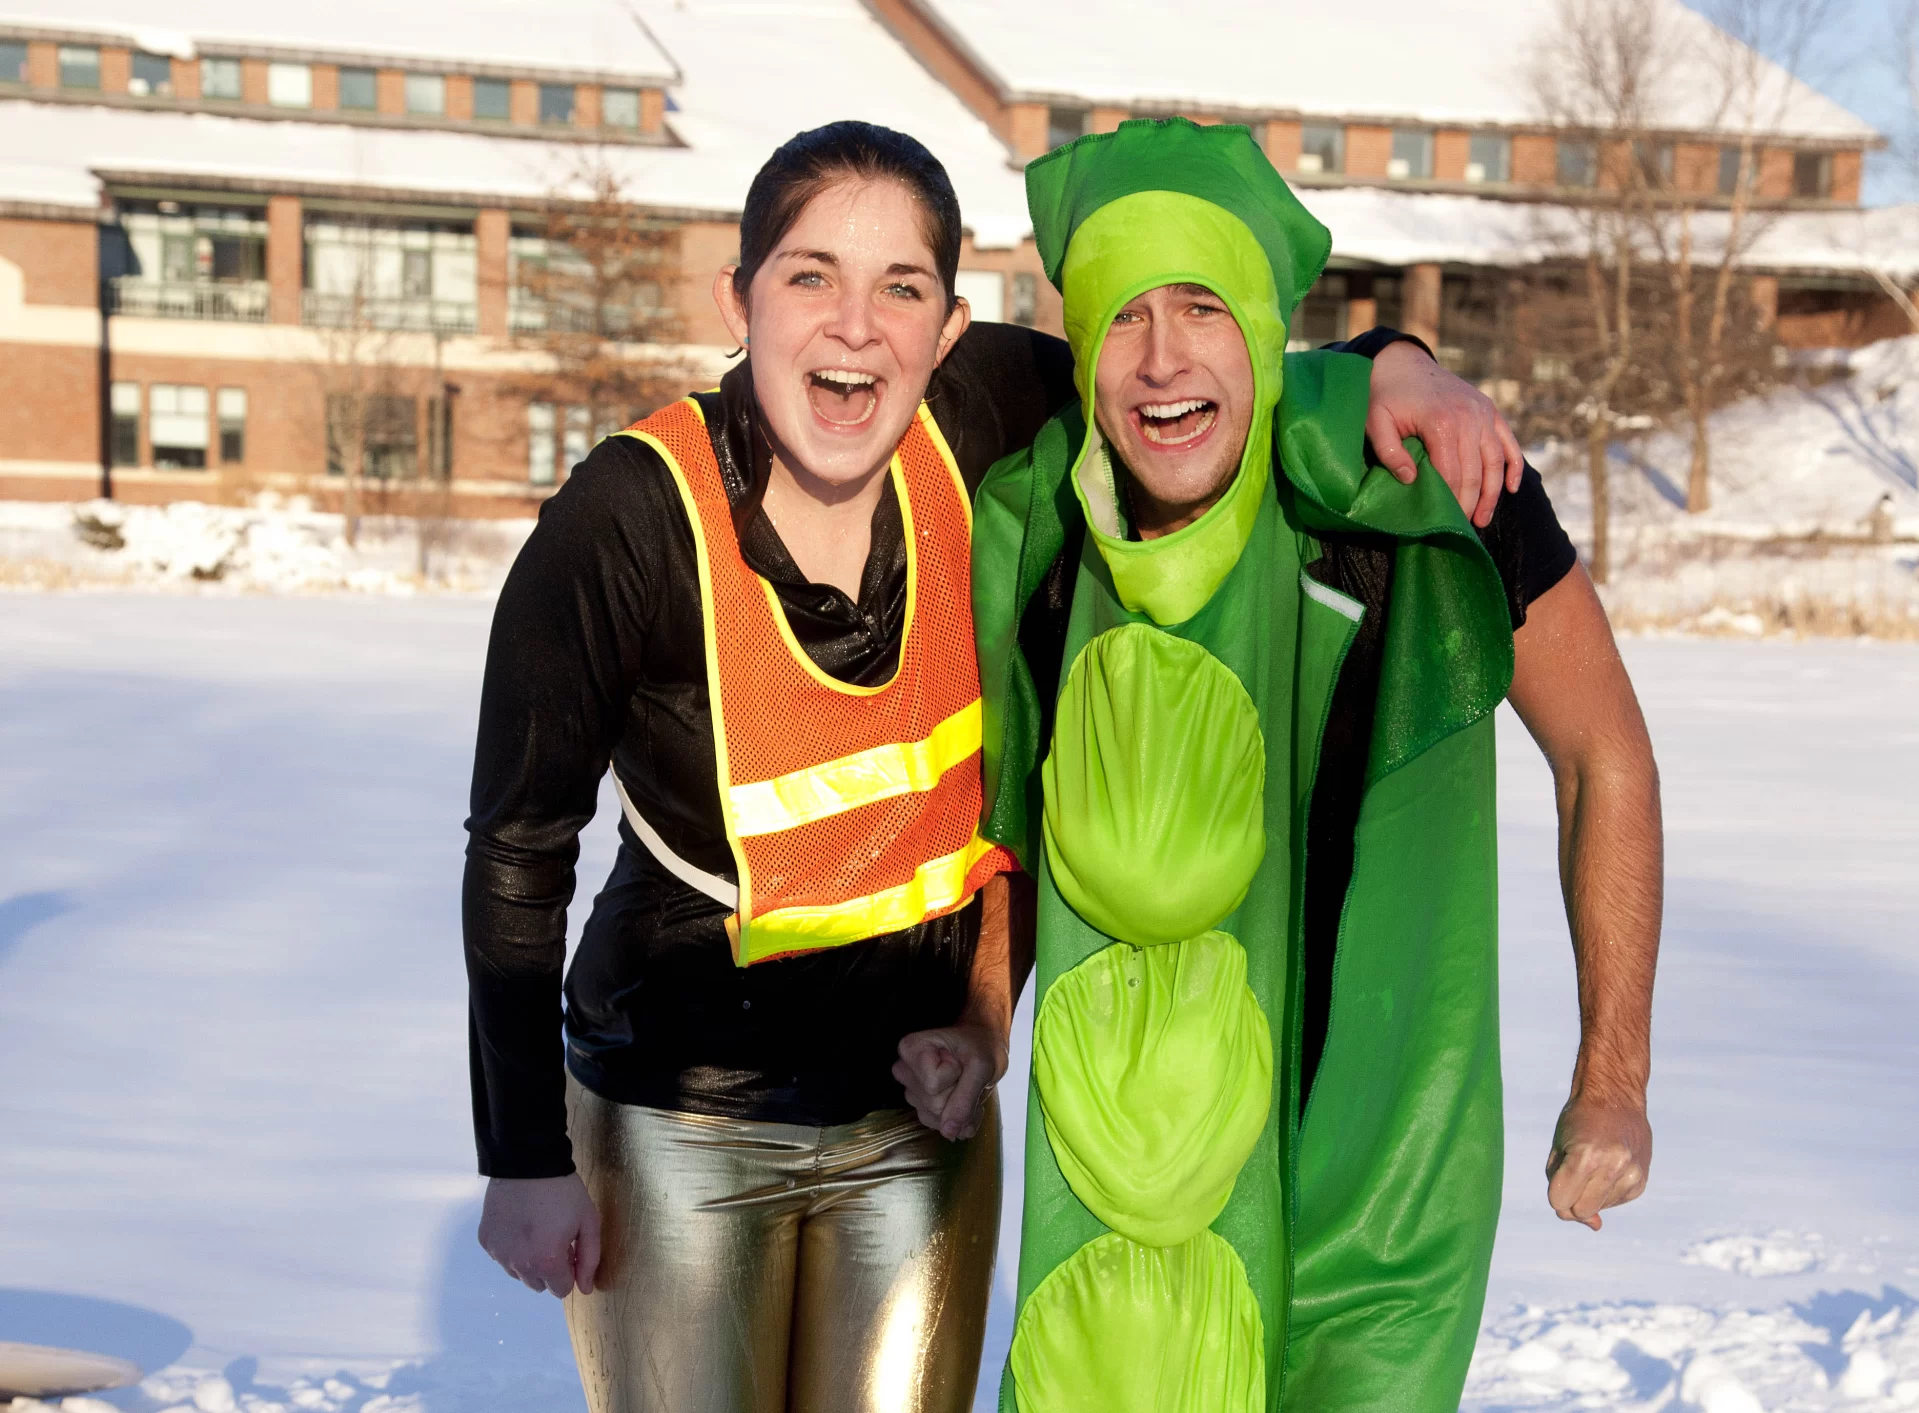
point(754, 606)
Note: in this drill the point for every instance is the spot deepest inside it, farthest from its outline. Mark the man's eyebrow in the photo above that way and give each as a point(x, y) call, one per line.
point(1199, 291)
point(824, 257)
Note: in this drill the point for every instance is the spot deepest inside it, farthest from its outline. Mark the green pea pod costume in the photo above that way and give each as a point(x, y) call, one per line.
point(1190, 1244)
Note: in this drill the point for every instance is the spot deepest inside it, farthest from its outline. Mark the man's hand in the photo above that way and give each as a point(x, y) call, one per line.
point(544, 1231)
point(1600, 1156)
point(1466, 438)
point(947, 1074)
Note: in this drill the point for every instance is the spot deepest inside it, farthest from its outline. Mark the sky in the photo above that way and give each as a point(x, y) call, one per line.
point(1856, 63)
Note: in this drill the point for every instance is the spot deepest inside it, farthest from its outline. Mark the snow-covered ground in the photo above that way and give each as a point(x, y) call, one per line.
point(233, 1118)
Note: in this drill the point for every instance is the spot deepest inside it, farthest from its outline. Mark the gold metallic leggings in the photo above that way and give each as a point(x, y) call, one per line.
point(770, 1268)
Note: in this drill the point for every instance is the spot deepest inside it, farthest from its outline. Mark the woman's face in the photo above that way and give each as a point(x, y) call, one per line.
point(846, 319)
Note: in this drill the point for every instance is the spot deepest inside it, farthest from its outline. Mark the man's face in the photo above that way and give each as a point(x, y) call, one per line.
point(1174, 396)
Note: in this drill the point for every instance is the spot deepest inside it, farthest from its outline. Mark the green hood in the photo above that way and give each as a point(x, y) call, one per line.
point(1170, 202)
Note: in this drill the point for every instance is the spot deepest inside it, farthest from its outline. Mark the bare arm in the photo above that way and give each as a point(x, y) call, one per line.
point(1571, 690)
point(947, 1072)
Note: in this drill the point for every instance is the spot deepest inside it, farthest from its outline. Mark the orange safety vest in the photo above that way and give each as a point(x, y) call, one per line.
point(851, 811)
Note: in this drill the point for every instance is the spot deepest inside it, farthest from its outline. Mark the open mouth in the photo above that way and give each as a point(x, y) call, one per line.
point(842, 397)
point(1176, 423)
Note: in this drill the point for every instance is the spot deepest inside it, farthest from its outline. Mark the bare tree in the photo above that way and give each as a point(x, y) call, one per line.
point(1746, 95)
point(1604, 69)
point(589, 293)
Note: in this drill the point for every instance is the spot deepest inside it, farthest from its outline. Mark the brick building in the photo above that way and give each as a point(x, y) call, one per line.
point(204, 230)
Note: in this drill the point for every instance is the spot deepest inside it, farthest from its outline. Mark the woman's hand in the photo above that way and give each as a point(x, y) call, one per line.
point(1466, 438)
point(948, 1073)
point(543, 1231)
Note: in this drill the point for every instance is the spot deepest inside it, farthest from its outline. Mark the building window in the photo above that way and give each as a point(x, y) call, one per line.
point(556, 102)
point(492, 99)
point(124, 404)
point(1063, 125)
point(1321, 315)
point(152, 75)
point(199, 262)
point(620, 107)
point(219, 78)
point(540, 450)
point(1577, 163)
point(1729, 171)
point(79, 66)
point(985, 291)
point(1025, 310)
point(231, 408)
point(1412, 158)
point(1812, 175)
point(1322, 148)
point(426, 95)
point(578, 440)
point(364, 274)
point(13, 61)
point(359, 90)
point(1654, 160)
point(290, 85)
point(177, 426)
point(1489, 158)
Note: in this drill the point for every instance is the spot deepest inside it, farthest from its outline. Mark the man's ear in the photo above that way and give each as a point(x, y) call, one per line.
point(957, 323)
point(732, 309)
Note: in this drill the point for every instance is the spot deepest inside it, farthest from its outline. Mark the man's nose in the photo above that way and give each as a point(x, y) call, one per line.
point(1164, 357)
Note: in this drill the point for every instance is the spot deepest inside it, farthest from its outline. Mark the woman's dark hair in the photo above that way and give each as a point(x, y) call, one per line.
point(808, 163)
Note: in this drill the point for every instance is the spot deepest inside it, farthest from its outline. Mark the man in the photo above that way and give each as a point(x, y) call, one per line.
point(1239, 690)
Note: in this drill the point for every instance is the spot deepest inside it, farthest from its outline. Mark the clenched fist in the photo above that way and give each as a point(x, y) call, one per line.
point(1600, 1156)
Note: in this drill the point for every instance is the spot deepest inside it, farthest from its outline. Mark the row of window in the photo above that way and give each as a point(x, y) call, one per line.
point(183, 420)
point(291, 86)
point(1489, 157)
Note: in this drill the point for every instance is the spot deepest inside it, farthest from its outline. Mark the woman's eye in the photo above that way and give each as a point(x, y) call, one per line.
point(904, 291)
point(811, 278)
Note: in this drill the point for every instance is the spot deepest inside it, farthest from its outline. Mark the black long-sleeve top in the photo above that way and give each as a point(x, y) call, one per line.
point(596, 657)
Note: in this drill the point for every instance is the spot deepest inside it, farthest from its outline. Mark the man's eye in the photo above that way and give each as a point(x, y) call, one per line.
point(1126, 316)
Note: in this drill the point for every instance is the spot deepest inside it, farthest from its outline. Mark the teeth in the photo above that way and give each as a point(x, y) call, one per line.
point(1199, 429)
point(1173, 409)
point(845, 376)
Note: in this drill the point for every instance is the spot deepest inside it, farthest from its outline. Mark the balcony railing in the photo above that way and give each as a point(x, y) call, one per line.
point(349, 311)
point(243, 302)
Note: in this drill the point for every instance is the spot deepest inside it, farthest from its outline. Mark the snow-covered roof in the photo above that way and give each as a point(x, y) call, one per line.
point(1463, 61)
point(743, 94)
point(577, 36)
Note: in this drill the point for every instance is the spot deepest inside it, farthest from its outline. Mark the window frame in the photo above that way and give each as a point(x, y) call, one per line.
point(289, 78)
point(230, 428)
point(62, 63)
point(1589, 158)
point(549, 111)
point(123, 424)
point(164, 450)
point(1065, 123)
point(607, 98)
point(211, 64)
point(1337, 131)
point(350, 77)
point(418, 86)
point(155, 88)
point(1422, 138)
point(19, 74)
point(1502, 144)
point(1820, 165)
point(540, 468)
point(504, 88)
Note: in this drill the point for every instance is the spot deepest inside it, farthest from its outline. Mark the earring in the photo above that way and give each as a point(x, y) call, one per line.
point(746, 341)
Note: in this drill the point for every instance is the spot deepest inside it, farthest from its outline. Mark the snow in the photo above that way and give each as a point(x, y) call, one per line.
point(1815, 509)
point(233, 1034)
point(1465, 61)
point(593, 36)
point(272, 546)
point(756, 73)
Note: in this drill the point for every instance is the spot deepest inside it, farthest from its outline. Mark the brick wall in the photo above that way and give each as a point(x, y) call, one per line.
point(1845, 175)
point(459, 97)
point(1026, 129)
point(326, 87)
point(523, 102)
point(59, 260)
point(1450, 151)
point(1368, 149)
point(1535, 159)
point(389, 88)
point(1282, 146)
point(116, 69)
point(49, 404)
point(253, 80)
point(186, 79)
point(652, 109)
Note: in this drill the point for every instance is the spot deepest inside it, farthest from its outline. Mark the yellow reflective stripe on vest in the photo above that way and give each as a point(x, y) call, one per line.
point(935, 885)
point(819, 791)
